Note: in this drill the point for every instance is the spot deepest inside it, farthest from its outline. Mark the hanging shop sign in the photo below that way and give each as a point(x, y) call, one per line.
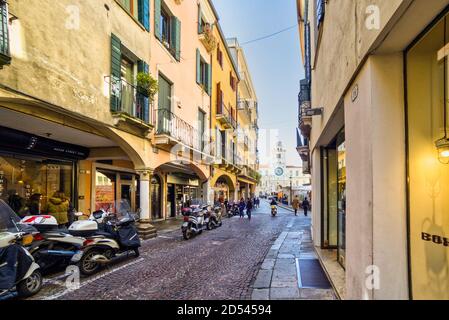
point(25, 143)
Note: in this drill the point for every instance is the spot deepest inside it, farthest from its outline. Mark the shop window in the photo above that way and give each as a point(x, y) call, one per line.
point(428, 171)
point(27, 185)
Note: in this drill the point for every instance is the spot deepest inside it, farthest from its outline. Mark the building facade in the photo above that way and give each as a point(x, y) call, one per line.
point(75, 115)
point(373, 124)
point(248, 127)
point(277, 177)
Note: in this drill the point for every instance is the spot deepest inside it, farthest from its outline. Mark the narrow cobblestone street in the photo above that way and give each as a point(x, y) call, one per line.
point(219, 264)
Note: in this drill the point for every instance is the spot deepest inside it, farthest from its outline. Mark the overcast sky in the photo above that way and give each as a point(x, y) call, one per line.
point(275, 63)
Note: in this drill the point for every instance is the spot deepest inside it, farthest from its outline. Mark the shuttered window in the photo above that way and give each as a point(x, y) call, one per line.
point(4, 35)
point(143, 102)
point(144, 13)
point(203, 73)
point(116, 58)
point(167, 29)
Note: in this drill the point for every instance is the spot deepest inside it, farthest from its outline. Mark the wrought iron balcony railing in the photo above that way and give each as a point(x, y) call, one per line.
point(225, 116)
point(129, 101)
point(168, 123)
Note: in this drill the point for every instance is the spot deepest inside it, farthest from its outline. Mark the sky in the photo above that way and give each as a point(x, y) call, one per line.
point(275, 63)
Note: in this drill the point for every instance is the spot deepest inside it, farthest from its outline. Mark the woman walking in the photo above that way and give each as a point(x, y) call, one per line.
point(295, 205)
point(249, 208)
point(242, 208)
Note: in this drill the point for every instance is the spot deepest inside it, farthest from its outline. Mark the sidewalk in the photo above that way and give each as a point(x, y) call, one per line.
point(291, 270)
point(168, 225)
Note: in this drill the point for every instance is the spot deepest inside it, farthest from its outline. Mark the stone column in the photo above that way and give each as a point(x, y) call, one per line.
point(208, 192)
point(145, 229)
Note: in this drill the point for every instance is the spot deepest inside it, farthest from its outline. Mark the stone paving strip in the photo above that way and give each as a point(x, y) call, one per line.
point(279, 275)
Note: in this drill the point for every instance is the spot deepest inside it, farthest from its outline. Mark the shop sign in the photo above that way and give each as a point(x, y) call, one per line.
point(182, 181)
point(22, 142)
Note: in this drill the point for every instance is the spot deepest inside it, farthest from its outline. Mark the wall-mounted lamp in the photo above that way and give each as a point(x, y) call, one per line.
point(443, 150)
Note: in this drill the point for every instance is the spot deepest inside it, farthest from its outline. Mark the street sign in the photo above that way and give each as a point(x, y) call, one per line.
point(314, 112)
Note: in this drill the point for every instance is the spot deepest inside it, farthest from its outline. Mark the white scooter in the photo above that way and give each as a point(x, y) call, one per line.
point(19, 274)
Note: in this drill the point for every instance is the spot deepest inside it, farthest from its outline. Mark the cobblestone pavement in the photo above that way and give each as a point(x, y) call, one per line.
point(218, 264)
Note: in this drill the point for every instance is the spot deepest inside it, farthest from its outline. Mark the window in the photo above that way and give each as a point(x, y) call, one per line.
point(139, 9)
point(164, 113)
point(203, 73)
point(168, 29)
point(232, 81)
point(201, 128)
point(5, 57)
point(165, 27)
point(220, 56)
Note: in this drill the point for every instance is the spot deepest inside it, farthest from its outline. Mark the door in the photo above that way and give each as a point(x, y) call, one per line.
point(164, 109)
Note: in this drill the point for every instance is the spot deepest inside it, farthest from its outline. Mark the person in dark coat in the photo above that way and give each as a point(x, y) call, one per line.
point(305, 206)
point(249, 208)
point(242, 206)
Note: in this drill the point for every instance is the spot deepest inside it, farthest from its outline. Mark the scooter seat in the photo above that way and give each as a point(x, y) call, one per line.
point(104, 234)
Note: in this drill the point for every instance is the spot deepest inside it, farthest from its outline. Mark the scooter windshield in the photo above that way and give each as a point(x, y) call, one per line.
point(10, 221)
point(122, 209)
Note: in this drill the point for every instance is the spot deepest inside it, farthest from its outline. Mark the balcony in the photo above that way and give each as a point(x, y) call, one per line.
point(131, 107)
point(207, 38)
point(229, 160)
point(305, 122)
point(245, 108)
point(225, 117)
point(249, 173)
point(5, 57)
point(171, 130)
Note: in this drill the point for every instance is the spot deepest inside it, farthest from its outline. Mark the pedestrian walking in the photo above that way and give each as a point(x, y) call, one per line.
point(305, 206)
point(295, 205)
point(249, 208)
point(242, 206)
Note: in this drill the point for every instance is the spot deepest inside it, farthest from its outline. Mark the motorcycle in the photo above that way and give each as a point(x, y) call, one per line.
point(216, 217)
point(194, 222)
point(52, 247)
point(109, 234)
point(20, 275)
point(234, 210)
point(274, 210)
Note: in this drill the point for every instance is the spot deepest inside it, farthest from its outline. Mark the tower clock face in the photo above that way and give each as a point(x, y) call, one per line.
point(279, 172)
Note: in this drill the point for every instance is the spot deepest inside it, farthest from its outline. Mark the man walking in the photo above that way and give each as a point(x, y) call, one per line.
point(249, 207)
point(295, 205)
point(305, 206)
point(242, 208)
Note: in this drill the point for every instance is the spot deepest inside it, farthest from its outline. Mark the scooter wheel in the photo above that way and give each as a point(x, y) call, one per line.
point(187, 234)
point(136, 252)
point(30, 286)
point(86, 265)
point(210, 226)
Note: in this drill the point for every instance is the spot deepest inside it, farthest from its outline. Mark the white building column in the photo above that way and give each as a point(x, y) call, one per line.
point(208, 192)
point(146, 229)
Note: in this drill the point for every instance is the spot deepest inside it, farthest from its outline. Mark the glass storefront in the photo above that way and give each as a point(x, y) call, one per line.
point(341, 197)
point(428, 163)
point(333, 219)
point(27, 183)
point(112, 185)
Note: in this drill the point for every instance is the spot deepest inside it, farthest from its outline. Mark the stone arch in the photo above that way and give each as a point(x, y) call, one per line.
point(227, 178)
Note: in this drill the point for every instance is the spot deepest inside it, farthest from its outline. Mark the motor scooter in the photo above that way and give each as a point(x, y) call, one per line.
point(20, 275)
point(109, 234)
point(274, 210)
point(193, 222)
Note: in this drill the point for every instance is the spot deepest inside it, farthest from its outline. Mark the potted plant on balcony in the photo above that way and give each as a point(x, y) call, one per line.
point(147, 85)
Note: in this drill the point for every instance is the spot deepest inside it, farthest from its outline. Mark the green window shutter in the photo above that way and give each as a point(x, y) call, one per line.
point(176, 37)
point(200, 15)
point(116, 57)
point(144, 13)
point(157, 19)
point(209, 79)
point(198, 66)
point(143, 102)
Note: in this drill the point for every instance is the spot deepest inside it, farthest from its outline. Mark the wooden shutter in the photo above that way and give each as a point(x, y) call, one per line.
point(143, 101)
point(198, 67)
point(209, 79)
point(157, 19)
point(200, 16)
point(176, 37)
point(144, 13)
point(116, 62)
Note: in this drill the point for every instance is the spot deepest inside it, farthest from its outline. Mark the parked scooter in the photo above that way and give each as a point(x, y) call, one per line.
point(19, 274)
point(193, 222)
point(234, 210)
point(215, 218)
point(52, 247)
point(108, 234)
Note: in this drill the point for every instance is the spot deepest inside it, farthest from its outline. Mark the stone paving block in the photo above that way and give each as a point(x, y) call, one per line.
point(284, 293)
point(285, 256)
point(263, 279)
point(268, 264)
point(316, 294)
point(260, 294)
point(284, 284)
point(272, 254)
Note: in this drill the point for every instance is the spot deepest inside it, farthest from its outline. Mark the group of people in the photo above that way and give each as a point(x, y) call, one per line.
point(57, 206)
point(296, 204)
